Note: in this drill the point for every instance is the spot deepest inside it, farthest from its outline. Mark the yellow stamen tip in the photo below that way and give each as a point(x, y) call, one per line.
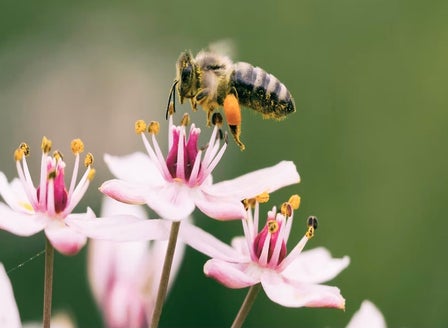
point(140, 126)
point(77, 146)
point(171, 109)
point(294, 200)
point(18, 154)
point(25, 148)
point(88, 160)
point(185, 120)
point(91, 174)
point(58, 155)
point(310, 233)
point(312, 226)
point(46, 145)
point(154, 127)
point(262, 198)
point(286, 209)
point(248, 203)
point(272, 226)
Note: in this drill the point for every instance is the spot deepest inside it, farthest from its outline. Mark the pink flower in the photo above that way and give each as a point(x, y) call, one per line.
point(368, 316)
point(175, 185)
point(49, 206)
point(124, 276)
point(291, 280)
point(9, 313)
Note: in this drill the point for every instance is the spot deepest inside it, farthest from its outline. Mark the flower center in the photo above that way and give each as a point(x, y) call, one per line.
point(182, 155)
point(267, 239)
point(60, 194)
point(272, 226)
point(51, 196)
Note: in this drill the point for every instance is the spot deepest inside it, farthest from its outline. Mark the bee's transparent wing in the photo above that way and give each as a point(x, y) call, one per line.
point(226, 47)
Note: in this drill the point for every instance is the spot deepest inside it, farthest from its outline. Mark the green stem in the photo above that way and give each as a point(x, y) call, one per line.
point(163, 286)
point(246, 306)
point(48, 283)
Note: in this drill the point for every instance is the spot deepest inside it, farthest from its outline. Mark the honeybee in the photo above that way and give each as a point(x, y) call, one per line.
point(212, 80)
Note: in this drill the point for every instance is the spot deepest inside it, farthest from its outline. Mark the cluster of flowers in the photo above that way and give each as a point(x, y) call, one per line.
point(129, 276)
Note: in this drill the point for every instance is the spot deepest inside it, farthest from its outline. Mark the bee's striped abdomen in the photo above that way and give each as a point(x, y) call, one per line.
point(261, 91)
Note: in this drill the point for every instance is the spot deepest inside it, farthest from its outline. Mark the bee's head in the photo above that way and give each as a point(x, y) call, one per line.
point(186, 75)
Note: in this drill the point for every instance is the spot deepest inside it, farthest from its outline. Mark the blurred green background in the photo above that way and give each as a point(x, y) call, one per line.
point(369, 138)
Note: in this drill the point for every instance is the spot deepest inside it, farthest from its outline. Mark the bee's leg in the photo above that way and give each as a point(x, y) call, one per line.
point(209, 115)
point(236, 131)
point(200, 97)
point(232, 111)
point(201, 94)
point(193, 104)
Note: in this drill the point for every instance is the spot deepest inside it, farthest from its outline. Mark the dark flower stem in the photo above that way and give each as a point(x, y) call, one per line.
point(246, 306)
point(163, 286)
point(48, 283)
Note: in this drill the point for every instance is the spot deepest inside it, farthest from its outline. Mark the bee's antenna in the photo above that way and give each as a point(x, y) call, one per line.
point(171, 100)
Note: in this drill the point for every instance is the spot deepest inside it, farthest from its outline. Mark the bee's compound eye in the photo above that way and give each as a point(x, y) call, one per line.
point(186, 73)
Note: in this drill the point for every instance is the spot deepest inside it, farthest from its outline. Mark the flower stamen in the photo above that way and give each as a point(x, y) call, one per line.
point(260, 199)
point(57, 155)
point(46, 145)
point(140, 126)
point(25, 148)
point(312, 226)
point(170, 111)
point(185, 121)
point(154, 127)
point(77, 146)
point(91, 174)
point(88, 160)
point(42, 190)
point(294, 201)
point(272, 226)
point(18, 154)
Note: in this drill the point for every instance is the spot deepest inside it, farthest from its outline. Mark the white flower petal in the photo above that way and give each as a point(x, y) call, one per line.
point(111, 260)
point(14, 194)
point(219, 207)
point(232, 275)
point(208, 244)
point(368, 316)
point(240, 245)
point(254, 183)
point(112, 207)
point(9, 313)
point(125, 191)
point(125, 276)
point(113, 263)
point(124, 306)
point(64, 239)
point(173, 201)
point(315, 266)
point(21, 224)
point(119, 228)
point(136, 167)
point(292, 294)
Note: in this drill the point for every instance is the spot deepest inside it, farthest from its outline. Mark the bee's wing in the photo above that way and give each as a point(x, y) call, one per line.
point(226, 47)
